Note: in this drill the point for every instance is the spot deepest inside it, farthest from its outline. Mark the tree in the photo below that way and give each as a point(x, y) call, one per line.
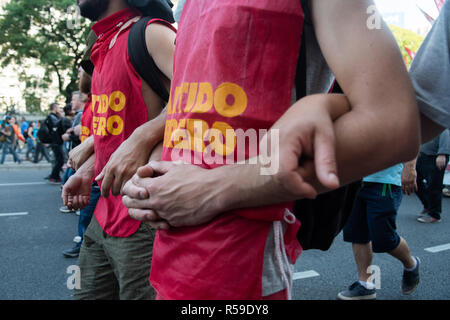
point(48, 33)
point(407, 39)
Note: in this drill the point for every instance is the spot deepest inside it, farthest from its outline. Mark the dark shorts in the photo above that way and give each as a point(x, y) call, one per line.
point(373, 217)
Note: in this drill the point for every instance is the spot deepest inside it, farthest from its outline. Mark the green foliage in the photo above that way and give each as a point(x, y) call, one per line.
point(50, 34)
point(407, 38)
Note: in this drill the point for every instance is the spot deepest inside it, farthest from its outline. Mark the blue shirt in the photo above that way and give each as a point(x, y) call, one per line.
point(24, 127)
point(392, 175)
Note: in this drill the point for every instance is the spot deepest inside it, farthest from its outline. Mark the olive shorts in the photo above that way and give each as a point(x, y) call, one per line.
point(115, 268)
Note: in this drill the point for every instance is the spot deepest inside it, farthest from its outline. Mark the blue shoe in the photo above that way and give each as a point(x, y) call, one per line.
point(411, 279)
point(357, 292)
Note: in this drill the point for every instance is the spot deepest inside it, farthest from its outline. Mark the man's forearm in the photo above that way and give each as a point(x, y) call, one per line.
point(88, 167)
point(242, 185)
point(358, 155)
point(152, 132)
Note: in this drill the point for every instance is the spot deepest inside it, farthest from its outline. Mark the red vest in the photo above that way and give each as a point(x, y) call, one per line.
point(86, 120)
point(118, 109)
point(235, 64)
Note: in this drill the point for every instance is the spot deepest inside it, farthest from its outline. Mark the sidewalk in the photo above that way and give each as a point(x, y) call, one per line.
point(11, 165)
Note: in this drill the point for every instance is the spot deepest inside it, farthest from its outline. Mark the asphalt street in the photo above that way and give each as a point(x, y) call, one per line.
point(34, 234)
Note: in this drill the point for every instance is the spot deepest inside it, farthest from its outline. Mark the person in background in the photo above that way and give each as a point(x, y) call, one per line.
point(372, 228)
point(19, 135)
point(30, 139)
point(72, 135)
point(52, 121)
point(429, 169)
point(40, 147)
point(23, 126)
point(7, 130)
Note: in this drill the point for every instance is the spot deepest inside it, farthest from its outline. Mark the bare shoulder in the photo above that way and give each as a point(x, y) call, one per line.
point(159, 36)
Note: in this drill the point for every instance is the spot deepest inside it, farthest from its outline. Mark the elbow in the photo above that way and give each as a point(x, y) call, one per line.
point(408, 135)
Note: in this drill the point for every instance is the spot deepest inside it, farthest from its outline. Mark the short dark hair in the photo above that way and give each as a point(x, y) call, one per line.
point(53, 106)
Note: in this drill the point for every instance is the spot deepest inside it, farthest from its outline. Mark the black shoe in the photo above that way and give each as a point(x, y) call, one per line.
point(357, 292)
point(72, 253)
point(411, 279)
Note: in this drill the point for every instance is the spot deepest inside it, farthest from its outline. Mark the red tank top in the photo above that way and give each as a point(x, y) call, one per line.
point(118, 109)
point(234, 70)
point(86, 120)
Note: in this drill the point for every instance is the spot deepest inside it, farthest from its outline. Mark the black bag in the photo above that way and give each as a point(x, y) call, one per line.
point(323, 218)
point(43, 133)
point(141, 60)
point(161, 9)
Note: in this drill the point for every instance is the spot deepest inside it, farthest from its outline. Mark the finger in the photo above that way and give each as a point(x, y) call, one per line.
point(145, 172)
point(325, 157)
point(69, 202)
point(116, 185)
point(108, 179)
point(86, 200)
point(134, 191)
point(143, 183)
point(295, 184)
point(161, 167)
point(160, 225)
point(145, 215)
point(101, 175)
point(132, 203)
point(75, 203)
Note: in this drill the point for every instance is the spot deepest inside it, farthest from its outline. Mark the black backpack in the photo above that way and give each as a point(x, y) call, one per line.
point(161, 9)
point(140, 58)
point(323, 218)
point(43, 133)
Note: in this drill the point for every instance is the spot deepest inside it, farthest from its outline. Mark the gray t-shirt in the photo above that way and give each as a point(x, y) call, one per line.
point(438, 146)
point(430, 71)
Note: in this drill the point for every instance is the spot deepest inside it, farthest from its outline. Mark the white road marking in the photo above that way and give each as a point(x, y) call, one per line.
point(12, 214)
point(21, 184)
point(438, 248)
point(305, 274)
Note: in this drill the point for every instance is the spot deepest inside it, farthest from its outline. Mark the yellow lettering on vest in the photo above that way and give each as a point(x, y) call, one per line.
point(117, 101)
point(95, 124)
point(101, 127)
point(237, 100)
point(181, 139)
point(193, 88)
point(204, 98)
point(95, 100)
point(197, 129)
point(227, 143)
point(85, 131)
point(171, 125)
point(115, 125)
point(103, 104)
point(179, 93)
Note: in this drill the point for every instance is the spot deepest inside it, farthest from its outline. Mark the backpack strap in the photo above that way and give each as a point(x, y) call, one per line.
point(141, 60)
point(300, 77)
